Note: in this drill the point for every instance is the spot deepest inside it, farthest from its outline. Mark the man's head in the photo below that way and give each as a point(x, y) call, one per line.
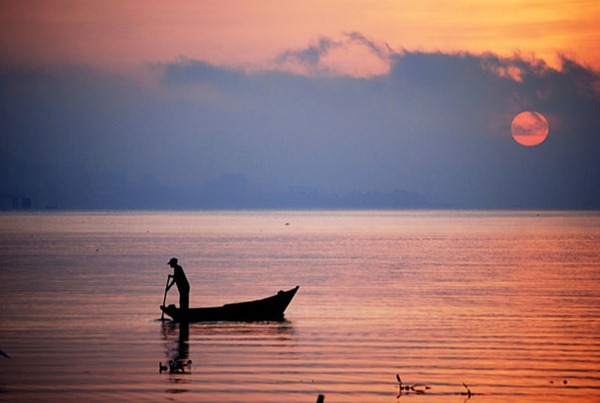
point(173, 262)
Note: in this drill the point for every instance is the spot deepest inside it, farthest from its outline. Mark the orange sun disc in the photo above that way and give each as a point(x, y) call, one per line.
point(529, 128)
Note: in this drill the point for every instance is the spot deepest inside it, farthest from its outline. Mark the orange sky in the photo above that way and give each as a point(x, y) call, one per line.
point(117, 34)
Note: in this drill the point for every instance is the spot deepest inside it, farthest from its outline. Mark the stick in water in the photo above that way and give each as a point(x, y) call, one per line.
point(162, 316)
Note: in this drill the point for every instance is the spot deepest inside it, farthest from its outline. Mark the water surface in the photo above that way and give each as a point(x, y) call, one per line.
point(506, 302)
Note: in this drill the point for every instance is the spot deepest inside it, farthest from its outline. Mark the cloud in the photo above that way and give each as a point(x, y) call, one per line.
point(331, 57)
point(186, 71)
point(432, 124)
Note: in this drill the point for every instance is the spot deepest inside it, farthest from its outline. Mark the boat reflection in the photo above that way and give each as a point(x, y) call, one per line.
point(226, 348)
point(176, 338)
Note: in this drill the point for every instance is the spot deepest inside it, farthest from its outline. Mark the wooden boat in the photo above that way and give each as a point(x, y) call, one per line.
point(267, 309)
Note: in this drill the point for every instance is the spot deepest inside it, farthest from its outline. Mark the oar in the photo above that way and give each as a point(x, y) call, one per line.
point(162, 316)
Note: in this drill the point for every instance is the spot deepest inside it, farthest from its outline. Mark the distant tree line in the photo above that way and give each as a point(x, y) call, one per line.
point(86, 191)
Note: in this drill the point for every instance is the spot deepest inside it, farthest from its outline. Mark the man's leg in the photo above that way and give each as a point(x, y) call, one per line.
point(184, 301)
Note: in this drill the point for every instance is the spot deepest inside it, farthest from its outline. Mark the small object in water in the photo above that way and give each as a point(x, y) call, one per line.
point(174, 367)
point(564, 382)
point(2, 352)
point(400, 386)
point(178, 367)
point(162, 368)
point(321, 399)
point(468, 390)
point(417, 388)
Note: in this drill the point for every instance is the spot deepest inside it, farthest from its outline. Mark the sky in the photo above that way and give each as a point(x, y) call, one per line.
point(121, 104)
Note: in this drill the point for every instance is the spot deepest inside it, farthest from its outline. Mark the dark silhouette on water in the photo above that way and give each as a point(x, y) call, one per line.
point(162, 316)
point(183, 286)
point(267, 309)
point(468, 393)
point(180, 367)
point(176, 336)
point(417, 388)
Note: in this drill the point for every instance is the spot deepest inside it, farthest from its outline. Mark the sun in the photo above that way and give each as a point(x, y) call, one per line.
point(529, 128)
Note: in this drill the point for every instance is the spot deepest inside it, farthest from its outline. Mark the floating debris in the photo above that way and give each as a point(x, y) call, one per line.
point(417, 388)
point(176, 367)
point(469, 393)
point(2, 352)
point(162, 368)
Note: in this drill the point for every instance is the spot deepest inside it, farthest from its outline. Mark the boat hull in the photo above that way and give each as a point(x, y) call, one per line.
point(267, 309)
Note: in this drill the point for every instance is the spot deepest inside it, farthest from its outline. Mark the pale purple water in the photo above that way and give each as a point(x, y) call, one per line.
point(507, 302)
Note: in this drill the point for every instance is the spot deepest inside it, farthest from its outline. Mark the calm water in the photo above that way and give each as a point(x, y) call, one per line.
point(506, 302)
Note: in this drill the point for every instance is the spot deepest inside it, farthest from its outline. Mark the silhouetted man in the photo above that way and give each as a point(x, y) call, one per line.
point(183, 286)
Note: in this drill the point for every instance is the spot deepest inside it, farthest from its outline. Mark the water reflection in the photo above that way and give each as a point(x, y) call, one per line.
point(176, 339)
point(506, 302)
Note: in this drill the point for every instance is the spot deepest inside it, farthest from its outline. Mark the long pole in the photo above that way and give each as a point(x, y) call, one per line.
point(162, 316)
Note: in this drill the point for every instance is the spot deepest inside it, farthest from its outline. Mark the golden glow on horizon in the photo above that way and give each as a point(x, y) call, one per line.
point(529, 128)
point(249, 33)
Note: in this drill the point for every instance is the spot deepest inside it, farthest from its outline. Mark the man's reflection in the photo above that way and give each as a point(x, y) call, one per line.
point(176, 337)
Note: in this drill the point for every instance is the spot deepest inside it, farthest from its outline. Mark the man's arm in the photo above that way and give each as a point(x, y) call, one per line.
point(172, 281)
